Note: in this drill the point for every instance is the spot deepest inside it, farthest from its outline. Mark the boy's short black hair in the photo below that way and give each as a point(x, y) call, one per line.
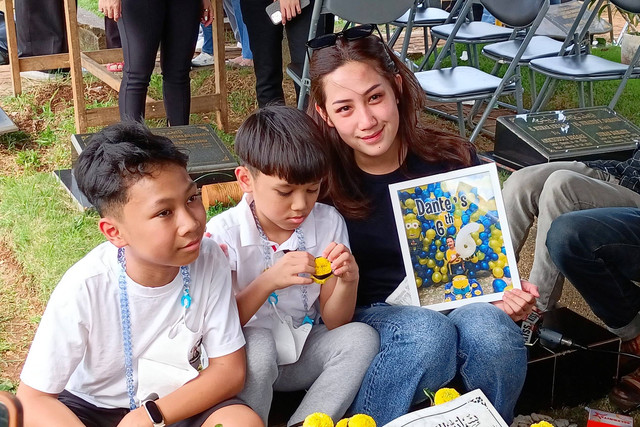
point(285, 142)
point(116, 158)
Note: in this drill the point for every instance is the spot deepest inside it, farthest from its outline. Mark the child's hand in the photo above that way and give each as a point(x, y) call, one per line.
point(287, 270)
point(342, 261)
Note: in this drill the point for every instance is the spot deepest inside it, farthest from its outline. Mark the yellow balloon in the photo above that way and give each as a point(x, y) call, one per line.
point(443, 269)
point(499, 263)
point(478, 242)
point(422, 261)
point(498, 272)
point(430, 233)
point(418, 282)
point(439, 255)
point(445, 278)
point(481, 256)
point(410, 203)
point(491, 265)
point(481, 229)
point(457, 222)
point(436, 277)
point(431, 263)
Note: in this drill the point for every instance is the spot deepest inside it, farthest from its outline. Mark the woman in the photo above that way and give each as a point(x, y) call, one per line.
point(143, 25)
point(367, 103)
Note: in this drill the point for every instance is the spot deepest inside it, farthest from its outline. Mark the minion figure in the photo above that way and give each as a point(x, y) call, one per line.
point(413, 228)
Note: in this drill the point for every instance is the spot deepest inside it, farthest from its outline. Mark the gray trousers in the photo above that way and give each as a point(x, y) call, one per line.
point(331, 368)
point(546, 191)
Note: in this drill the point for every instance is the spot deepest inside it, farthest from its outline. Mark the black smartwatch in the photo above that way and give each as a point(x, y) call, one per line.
point(153, 411)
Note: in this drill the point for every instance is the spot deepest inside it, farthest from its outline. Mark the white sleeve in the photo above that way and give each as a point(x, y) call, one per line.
point(222, 330)
point(61, 339)
point(220, 234)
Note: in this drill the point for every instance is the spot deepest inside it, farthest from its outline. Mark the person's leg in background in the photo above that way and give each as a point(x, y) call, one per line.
point(112, 35)
point(598, 251)
point(246, 58)
point(297, 35)
point(206, 55)
point(265, 40)
point(40, 27)
point(176, 50)
point(140, 27)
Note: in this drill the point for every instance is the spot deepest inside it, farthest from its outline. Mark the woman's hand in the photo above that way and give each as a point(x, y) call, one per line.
point(518, 303)
point(343, 264)
point(207, 13)
point(110, 8)
point(289, 9)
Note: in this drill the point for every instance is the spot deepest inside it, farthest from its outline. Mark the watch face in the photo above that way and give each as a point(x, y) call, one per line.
point(153, 411)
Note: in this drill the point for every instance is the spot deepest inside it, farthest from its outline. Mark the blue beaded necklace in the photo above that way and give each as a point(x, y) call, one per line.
point(125, 317)
point(266, 253)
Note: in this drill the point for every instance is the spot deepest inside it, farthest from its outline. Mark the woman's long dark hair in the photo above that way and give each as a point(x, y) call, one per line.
point(432, 145)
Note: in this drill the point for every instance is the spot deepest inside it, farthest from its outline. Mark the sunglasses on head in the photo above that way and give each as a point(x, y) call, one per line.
point(353, 33)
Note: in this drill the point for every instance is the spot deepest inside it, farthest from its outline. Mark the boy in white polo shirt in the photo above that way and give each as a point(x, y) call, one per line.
point(297, 330)
point(120, 341)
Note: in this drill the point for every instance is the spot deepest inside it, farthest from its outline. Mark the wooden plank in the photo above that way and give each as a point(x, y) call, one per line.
point(100, 72)
point(222, 113)
point(77, 84)
point(12, 45)
point(44, 62)
point(154, 110)
point(105, 56)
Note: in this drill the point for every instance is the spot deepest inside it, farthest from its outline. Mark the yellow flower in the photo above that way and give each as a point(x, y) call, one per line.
point(318, 419)
point(444, 395)
point(542, 424)
point(358, 420)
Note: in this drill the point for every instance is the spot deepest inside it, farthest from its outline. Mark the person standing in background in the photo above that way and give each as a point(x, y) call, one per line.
point(171, 24)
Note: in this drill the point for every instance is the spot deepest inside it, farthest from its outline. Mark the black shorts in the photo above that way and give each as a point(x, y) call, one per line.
point(93, 416)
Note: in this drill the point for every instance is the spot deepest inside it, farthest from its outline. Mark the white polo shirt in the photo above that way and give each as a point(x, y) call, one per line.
point(237, 229)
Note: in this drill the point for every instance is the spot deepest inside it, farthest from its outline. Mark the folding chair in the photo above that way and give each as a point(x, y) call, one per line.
point(471, 33)
point(361, 11)
point(580, 66)
point(10, 410)
point(463, 83)
point(421, 15)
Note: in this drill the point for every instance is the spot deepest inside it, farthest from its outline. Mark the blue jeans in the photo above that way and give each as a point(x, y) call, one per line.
point(422, 348)
point(598, 251)
point(207, 46)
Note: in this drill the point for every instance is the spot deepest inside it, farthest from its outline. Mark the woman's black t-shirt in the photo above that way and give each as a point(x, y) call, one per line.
point(374, 240)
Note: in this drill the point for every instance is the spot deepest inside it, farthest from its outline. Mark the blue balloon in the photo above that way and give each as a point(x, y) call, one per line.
point(484, 265)
point(418, 191)
point(487, 223)
point(465, 219)
point(483, 235)
point(507, 271)
point(484, 248)
point(471, 274)
point(473, 207)
point(494, 256)
point(423, 254)
point(503, 250)
point(440, 262)
point(443, 248)
point(498, 225)
point(432, 248)
point(452, 230)
point(429, 272)
point(499, 285)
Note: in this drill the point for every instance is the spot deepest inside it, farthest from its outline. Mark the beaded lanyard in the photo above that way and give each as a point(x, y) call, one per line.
point(125, 316)
point(266, 252)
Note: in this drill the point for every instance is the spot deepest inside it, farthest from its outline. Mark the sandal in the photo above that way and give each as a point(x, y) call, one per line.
point(626, 394)
point(115, 67)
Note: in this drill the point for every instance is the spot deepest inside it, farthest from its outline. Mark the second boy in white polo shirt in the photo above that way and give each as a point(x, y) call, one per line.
point(297, 329)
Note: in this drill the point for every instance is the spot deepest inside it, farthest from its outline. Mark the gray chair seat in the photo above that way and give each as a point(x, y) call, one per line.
point(473, 32)
point(424, 17)
point(459, 82)
point(539, 47)
point(571, 67)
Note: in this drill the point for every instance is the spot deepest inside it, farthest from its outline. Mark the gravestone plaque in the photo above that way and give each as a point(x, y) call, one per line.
point(209, 159)
point(560, 17)
point(575, 134)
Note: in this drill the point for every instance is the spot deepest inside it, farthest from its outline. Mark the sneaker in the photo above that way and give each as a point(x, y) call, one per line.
point(202, 60)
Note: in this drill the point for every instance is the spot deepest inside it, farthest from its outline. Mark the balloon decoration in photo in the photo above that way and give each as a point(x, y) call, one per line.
point(454, 239)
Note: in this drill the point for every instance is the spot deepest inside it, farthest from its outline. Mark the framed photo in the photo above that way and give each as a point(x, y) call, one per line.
point(454, 237)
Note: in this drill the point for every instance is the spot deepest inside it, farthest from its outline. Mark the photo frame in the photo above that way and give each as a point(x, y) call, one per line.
point(454, 238)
